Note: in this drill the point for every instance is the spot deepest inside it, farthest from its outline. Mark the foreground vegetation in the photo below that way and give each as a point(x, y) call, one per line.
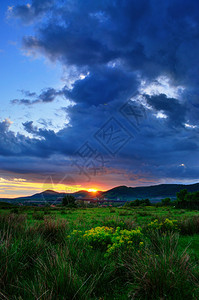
point(99, 253)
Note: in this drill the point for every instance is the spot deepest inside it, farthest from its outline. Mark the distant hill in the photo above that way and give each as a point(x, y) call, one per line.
point(86, 194)
point(50, 196)
point(154, 193)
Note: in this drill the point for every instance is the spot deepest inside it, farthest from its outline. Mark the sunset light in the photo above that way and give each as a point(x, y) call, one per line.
point(99, 140)
point(92, 190)
point(18, 187)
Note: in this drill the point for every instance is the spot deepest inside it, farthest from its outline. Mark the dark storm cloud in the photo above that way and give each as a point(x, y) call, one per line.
point(44, 143)
point(103, 86)
point(15, 145)
point(147, 36)
point(150, 37)
point(119, 45)
point(91, 32)
point(175, 111)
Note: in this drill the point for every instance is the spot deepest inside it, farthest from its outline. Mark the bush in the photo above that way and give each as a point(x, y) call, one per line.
point(99, 237)
point(164, 226)
point(69, 201)
point(187, 200)
point(123, 240)
point(189, 225)
point(166, 201)
point(111, 241)
point(137, 202)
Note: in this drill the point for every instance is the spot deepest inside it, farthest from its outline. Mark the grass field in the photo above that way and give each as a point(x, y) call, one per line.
point(99, 253)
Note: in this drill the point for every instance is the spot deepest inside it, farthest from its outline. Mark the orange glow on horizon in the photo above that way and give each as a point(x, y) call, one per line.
point(20, 187)
point(92, 190)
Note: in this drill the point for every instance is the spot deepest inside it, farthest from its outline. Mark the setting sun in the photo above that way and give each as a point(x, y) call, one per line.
point(92, 190)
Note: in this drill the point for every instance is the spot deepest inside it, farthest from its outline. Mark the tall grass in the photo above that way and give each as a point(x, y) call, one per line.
point(38, 261)
point(161, 271)
point(115, 221)
point(53, 231)
point(189, 225)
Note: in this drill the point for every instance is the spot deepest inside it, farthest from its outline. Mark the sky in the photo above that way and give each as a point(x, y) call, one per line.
point(96, 94)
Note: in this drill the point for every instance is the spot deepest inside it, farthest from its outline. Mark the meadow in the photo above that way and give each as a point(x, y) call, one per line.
point(99, 253)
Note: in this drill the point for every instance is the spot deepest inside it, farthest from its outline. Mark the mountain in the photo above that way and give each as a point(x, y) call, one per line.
point(50, 196)
point(86, 194)
point(38, 196)
point(154, 193)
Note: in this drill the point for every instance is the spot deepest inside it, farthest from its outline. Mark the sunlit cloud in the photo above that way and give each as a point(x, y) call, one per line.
point(160, 115)
point(17, 187)
point(162, 85)
point(190, 126)
point(182, 165)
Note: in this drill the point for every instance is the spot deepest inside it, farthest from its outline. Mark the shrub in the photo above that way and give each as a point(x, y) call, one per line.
point(137, 202)
point(69, 201)
point(189, 225)
point(166, 201)
point(99, 237)
point(123, 240)
point(110, 240)
point(164, 226)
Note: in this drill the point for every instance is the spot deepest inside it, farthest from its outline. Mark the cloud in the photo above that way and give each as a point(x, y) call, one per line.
point(146, 36)
point(171, 107)
point(47, 95)
point(29, 12)
point(102, 86)
point(44, 144)
point(23, 101)
point(118, 45)
point(28, 93)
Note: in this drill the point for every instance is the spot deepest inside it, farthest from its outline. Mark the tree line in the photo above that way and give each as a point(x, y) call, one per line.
point(184, 199)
